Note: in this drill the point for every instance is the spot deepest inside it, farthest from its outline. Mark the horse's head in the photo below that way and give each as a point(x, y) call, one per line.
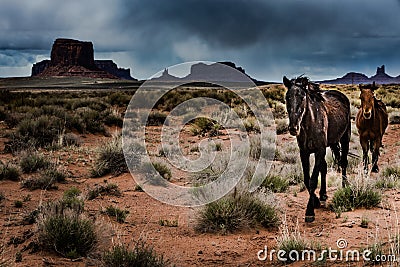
point(367, 99)
point(296, 101)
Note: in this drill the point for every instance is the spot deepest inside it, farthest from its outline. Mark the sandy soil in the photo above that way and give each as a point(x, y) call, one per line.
point(182, 245)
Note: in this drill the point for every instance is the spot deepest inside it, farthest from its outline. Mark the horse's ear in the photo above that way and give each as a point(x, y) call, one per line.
point(374, 86)
point(286, 82)
point(305, 83)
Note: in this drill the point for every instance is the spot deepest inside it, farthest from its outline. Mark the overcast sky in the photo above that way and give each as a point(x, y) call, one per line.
point(268, 38)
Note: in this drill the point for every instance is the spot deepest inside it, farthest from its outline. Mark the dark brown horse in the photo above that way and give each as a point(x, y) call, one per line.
point(318, 119)
point(371, 122)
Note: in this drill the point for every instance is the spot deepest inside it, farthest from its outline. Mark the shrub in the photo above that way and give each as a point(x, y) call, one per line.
point(46, 180)
point(9, 172)
point(87, 120)
point(290, 157)
point(394, 118)
point(163, 170)
point(232, 213)
point(276, 93)
point(32, 162)
point(109, 189)
point(70, 139)
point(110, 159)
point(251, 125)
point(113, 119)
point(120, 215)
point(156, 119)
point(355, 196)
point(203, 125)
point(140, 256)
point(279, 111)
point(392, 171)
point(54, 174)
point(72, 192)
point(3, 114)
point(291, 241)
point(281, 126)
point(386, 182)
point(69, 235)
point(41, 182)
point(18, 203)
point(119, 99)
point(43, 131)
point(275, 183)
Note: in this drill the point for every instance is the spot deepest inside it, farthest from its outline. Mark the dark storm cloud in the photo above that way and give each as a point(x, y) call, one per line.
point(268, 38)
point(300, 33)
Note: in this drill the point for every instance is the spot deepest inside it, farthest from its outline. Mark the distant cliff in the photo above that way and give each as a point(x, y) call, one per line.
point(380, 77)
point(76, 58)
point(217, 72)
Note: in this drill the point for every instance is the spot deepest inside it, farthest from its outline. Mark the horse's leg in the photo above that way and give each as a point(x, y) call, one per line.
point(364, 145)
point(305, 163)
point(375, 155)
point(322, 192)
point(313, 201)
point(336, 154)
point(344, 143)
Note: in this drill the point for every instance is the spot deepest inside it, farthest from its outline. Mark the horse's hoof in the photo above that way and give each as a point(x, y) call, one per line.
point(323, 198)
point(310, 219)
point(375, 169)
point(323, 203)
point(317, 203)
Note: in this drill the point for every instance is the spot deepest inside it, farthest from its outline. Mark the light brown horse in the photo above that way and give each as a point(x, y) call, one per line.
point(371, 122)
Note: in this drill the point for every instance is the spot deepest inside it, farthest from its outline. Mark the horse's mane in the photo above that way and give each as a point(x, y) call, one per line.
point(311, 88)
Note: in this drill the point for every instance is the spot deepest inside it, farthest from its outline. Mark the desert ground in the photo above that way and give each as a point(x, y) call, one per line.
point(71, 124)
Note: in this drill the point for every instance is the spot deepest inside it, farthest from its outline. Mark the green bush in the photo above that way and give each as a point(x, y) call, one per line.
point(41, 182)
point(163, 170)
point(119, 98)
point(109, 189)
point(54, 174)
point(9, 172)
point(88, 120)
point(352, 197)
point(43, 131)
point(275, 183)
point(113, 119)
point(289, 242)
point(392, 171)
point(203, 125)
point(46, 180)
point(140, 256)
point(71, 139)
point(110, 159)
point(118, 214)
point(232, 213)
point(69, 235)
point(72, 192)
point(281, 126)
point(156, 119)
point(31, 162)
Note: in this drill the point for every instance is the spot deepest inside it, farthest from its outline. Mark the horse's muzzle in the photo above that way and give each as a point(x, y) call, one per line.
point(294, 131)
point(367, 115)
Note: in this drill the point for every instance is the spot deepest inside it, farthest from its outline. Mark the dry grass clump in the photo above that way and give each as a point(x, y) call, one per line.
point(110, 159)
point(141, 255)
point(236, 211)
